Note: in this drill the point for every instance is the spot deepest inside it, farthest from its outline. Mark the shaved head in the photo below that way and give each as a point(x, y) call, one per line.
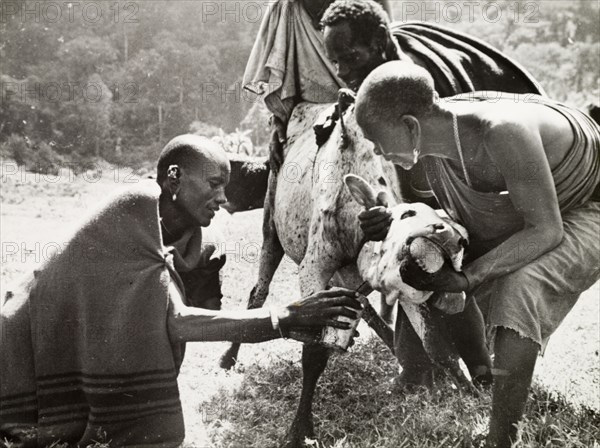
point(190, 152)
point(392, 90)
point(192, 172)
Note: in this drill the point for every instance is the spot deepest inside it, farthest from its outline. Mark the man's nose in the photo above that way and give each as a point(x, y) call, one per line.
point(221, 198)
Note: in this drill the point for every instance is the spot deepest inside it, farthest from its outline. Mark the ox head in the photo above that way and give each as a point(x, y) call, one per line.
point(416, 232)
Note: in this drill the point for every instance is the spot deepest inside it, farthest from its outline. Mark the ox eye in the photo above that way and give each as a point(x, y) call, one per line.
point(408, 214)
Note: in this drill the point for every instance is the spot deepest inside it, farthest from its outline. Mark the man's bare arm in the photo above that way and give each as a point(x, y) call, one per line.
point(519, 154)
point(191, 324)
point(309, 315)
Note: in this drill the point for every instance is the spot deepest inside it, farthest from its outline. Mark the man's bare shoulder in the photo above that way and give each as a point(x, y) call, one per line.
point(506, 116)
point(523, 127)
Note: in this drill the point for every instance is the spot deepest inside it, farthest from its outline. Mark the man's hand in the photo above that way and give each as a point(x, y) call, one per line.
point(375, 222)
point(321, 309)
point(446, 279)
point(278, 139)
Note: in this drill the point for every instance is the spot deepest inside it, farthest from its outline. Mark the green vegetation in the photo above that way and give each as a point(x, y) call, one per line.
point(123, 84)
point(116, 80)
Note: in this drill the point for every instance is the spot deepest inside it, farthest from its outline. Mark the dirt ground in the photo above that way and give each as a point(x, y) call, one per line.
point(37, 213)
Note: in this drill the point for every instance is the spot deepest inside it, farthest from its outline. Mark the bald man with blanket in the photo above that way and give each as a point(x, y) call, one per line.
point(92, 342)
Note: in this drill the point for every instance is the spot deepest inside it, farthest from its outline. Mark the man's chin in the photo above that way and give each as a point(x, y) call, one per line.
point(205, 222)
point(202, 221)
point(207, 218)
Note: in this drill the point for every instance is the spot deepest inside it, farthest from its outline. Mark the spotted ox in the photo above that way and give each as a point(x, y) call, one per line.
point(314, 221)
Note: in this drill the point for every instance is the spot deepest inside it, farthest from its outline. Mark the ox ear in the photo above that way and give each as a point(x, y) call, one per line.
point(360, 190)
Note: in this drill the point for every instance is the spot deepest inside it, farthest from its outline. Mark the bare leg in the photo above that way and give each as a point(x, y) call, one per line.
point(513, 369)
point(271, 255)
point(314, 361)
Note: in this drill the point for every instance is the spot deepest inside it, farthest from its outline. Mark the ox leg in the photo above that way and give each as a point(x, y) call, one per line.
point(314, 361)
point(513, 368)
point(441, 349)
point(271, 254)
point(417, 368)
point(430, 327)
point(314, 276)
point(468, 333)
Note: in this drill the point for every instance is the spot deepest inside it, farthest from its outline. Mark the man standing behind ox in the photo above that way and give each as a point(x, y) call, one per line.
point(532, 214)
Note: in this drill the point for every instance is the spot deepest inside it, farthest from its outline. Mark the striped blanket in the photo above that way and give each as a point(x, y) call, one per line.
point(85, 353)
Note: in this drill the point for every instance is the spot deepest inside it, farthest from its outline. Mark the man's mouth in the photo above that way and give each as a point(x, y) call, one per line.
point(213, 209)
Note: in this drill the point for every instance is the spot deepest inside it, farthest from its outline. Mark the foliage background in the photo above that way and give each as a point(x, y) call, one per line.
point(117, 79)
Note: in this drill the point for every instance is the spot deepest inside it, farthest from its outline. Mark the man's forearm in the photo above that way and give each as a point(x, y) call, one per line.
point(190, 324)
point(514, 253)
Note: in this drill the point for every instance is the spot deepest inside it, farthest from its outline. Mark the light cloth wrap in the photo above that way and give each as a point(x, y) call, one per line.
point(534, 299)
point(288, 62)
point(85, 353)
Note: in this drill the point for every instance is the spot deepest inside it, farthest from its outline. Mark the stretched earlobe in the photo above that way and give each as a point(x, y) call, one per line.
point(414, 129)
point(416, 154)
point(173, 175)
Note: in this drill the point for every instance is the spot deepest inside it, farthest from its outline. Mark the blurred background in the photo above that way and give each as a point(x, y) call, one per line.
point(115, 80)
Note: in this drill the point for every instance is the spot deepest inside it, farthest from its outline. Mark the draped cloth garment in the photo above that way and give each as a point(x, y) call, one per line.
point(85, 354)
point(288, 62)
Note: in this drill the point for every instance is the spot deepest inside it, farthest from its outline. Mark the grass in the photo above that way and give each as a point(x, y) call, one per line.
point(355, 405)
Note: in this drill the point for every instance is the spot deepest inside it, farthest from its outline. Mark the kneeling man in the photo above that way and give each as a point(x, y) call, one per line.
point(91, 345)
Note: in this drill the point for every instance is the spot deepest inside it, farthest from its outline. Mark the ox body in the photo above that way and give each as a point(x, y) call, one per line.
point(314, 221)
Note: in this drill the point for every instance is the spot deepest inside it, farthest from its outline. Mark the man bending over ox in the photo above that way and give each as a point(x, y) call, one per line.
point(521, 173)
point(91, 345)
